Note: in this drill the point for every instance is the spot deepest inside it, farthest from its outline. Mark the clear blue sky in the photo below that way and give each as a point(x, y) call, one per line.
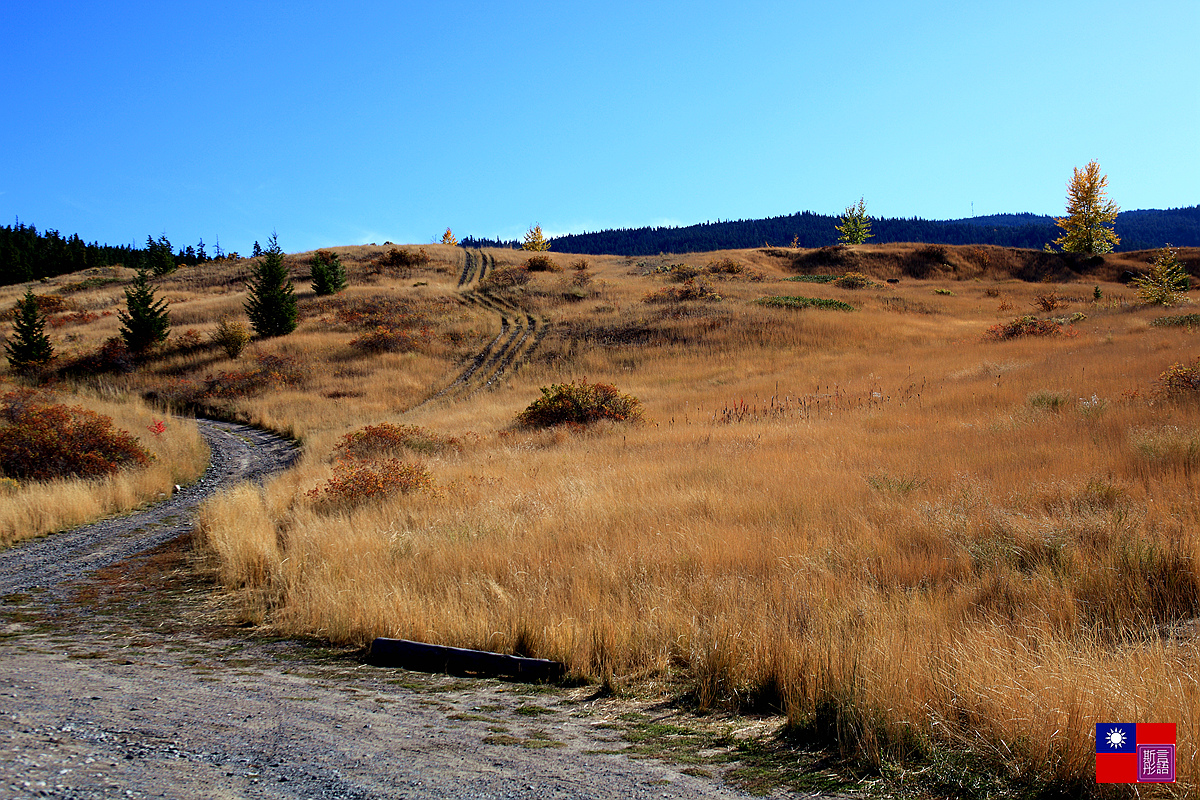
point(355, 122)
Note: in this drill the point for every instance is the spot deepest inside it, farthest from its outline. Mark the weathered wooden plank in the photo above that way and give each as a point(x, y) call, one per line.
point(422, 657)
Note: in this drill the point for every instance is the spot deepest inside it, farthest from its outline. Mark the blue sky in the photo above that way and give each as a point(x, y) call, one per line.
point(358, 122)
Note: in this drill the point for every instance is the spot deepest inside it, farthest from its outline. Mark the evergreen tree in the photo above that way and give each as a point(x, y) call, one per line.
point(856, 225)
point(328, 274)
point(1167, 281)
point(257, 251)
point(145, 322)
point(29, 348)
point(1087, 228)
point(272, 302)
point(159, 258)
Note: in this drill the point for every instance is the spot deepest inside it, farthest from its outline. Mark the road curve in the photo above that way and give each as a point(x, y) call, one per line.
point(51, 563)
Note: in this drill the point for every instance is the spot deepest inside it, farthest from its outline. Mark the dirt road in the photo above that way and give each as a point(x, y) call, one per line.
point(121, 677)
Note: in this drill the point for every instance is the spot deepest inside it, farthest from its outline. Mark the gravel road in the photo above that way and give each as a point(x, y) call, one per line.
point(122, 677)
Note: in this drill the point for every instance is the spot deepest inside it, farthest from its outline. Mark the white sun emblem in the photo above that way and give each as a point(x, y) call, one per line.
point(1116, 738)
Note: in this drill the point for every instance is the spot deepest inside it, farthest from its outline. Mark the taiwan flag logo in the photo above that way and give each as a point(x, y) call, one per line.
point(1142, 752)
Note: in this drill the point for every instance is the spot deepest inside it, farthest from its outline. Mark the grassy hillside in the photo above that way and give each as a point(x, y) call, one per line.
point(898, 514)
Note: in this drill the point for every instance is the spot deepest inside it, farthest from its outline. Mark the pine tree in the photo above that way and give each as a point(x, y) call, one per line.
point(856, 225)
point(145, 322)
point(29, 348)
point(1167, 282)
point(159, 257)
point(272, 303)
point(328, 274)
point(534, 240)
point(257, 251)
point(1087, 228)
point(448, 238)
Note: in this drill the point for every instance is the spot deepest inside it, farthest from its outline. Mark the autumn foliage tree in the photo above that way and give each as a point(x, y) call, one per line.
point(448, 238)
point(856, 224)
point(1087, 228)
point(535, 240)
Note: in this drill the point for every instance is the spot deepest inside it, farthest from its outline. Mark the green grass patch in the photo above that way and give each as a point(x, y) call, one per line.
point(813, 278)
point(1177, 321)
point(787, 301)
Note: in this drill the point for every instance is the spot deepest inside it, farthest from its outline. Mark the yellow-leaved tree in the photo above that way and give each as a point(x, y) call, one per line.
point(534, 240)
point(448, 238)
point(1087, 228)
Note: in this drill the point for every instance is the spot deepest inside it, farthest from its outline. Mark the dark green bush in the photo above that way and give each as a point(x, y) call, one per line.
point(786, 301)
point(580, 404)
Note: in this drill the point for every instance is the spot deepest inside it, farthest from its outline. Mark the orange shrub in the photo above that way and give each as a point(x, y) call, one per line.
point(355, 482)
point(42, 442)
point(1024, 326)
point(386, 438)
point(692, 289)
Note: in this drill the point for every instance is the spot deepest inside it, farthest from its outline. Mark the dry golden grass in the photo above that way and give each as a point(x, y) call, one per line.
point(897, 533)
point(180, 456)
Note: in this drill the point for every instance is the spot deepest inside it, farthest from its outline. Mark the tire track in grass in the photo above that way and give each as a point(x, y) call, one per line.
point(520, 335)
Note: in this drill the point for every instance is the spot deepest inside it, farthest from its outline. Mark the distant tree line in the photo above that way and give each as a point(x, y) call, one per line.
point(1138, 230)
point(28, 254)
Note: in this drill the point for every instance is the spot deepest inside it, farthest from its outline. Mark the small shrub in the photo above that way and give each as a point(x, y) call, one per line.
point(355, 482)
point(945, 292)
point(580, 265)
point(388, 439)
point(692, 289)
point(542, 263)
point(786, 301)
point(726, 266)
point(1180, 379)
point(41, 442)
point(231, 336)
point(46, 303)
point(1024, 326)
point(403, 258)
point(271, 372)
point(580, 404)
point(1049, 301)
point(854, 280)
point(73, 318)
point(112, 356)
point(506, 278)
point(384, 339)
point(1047, 401)
point(581, 279)
point(187, 342)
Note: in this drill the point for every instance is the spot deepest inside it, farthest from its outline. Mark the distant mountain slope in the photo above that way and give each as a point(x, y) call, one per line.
point(1139, 230)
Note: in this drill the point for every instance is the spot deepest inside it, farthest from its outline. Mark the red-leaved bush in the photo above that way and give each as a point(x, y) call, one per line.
point(388, 439)
point(355, 482)
point(1024, 326)
point(41, 442)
